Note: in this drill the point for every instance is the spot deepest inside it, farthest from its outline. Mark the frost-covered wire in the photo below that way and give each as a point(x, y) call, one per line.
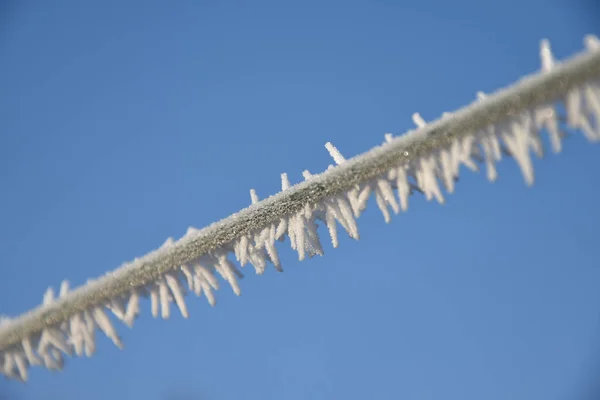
point(426, 160)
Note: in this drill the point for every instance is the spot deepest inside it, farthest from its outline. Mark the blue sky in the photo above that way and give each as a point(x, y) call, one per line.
point(122, 124)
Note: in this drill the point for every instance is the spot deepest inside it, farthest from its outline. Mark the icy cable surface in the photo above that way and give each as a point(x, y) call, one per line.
point(426, 160)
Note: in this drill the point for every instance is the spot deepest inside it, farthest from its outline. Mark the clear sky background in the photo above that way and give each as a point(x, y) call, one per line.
point(122, 123)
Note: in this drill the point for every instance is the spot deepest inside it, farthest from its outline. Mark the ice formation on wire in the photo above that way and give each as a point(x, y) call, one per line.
point(430, 174)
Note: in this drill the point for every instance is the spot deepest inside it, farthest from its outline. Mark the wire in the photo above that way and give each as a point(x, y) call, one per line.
point(511, 119)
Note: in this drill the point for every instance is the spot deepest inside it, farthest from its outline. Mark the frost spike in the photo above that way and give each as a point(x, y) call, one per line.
point(335, 153)
point(189, 276)
point(227, 271)
point(332, 228)
point(516, 141)
point(388, 194)
point(28, 349)
point(177, 291)
point(77, 339)
point(88, 334)
point(285, 182)
point(382, 207)
point(546, 56)
point(271, 250)
point(48, 296)
point(53, 337)
point(427, 181)
point(191, 230)
point(491, 156)
point(21, 366)
point(8, 365)
point(297, 228)
point(133, 308)
point(204, 273)
point(418, 120)
point(52, 359)
point(447, 170)
point(592, 42)
point(281, 229)
point(64, 288)
point(545, 117)
point(117, 307)
point(209, 294)
point(346, 212)
point(106, 326)
point(253, 196)
point(403, 187)
point(243, 250)
point(164, 297)
point(154, 301)
point(361, 200)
